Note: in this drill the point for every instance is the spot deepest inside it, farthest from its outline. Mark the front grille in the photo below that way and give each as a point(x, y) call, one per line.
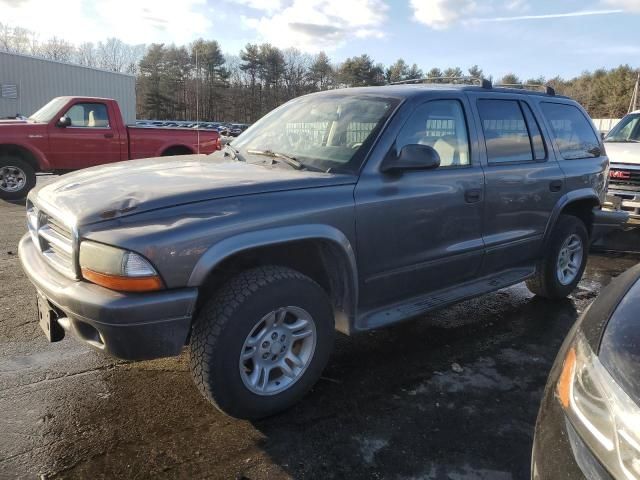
point(53, 238)
point(624, 179)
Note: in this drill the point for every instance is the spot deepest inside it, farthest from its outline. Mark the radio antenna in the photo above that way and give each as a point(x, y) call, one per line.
point(197, 100)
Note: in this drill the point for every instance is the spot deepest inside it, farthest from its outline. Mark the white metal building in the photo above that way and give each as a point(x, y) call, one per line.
point(27, 83)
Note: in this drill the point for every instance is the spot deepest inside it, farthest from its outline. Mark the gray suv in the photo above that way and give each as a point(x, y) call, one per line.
point(349, 209)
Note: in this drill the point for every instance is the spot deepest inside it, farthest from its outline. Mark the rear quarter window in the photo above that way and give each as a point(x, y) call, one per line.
point(572, 131)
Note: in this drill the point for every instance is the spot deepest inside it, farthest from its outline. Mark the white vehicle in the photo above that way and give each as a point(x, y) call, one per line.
point(623, 148)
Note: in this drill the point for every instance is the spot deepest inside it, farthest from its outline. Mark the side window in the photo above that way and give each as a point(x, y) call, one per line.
point(573, 133)
point(505, 131)
point(440, 124)
point(537, 143)
point(89, 115)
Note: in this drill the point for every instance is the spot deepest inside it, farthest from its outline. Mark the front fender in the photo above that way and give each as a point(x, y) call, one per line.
point(281, 235)
point(38, 155)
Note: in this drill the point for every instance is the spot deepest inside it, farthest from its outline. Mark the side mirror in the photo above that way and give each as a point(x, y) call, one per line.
point(64, 122)
point(413, 157)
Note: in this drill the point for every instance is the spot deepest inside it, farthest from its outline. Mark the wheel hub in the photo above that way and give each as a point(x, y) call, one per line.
point(278, 350)
point(12, 179)
point(570, 259)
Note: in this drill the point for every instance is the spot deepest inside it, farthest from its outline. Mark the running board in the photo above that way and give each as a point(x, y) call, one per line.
point(442, 298)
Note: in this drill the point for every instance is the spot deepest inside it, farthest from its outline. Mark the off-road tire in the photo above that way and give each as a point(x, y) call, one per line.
point(545, 282)
point(225, 320)
point(14, 161)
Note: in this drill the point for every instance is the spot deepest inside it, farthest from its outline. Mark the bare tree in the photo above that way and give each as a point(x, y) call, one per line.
point(86, 55)
point(57, 49)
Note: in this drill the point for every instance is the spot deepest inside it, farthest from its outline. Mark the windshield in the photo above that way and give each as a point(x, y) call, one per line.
point(325, 131)
point(627, 130)
point(46, 113)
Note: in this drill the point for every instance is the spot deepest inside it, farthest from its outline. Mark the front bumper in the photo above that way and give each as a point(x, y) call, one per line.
point(558, 450)
point(626, 201)
point(125, 325)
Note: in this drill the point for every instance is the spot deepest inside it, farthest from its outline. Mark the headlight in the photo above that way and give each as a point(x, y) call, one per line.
point(117, 269)
point(605, 417)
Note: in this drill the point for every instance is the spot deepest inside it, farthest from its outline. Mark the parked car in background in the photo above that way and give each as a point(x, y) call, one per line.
point(589, 420)
point(70, 133)
point(623, 147)
point(349, 209)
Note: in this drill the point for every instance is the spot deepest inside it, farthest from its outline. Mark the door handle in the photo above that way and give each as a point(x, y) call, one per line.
point(108, 135)
point(556, 185)
point(473, 195)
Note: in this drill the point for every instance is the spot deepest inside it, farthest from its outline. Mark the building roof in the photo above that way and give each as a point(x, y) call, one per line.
point(32, 57)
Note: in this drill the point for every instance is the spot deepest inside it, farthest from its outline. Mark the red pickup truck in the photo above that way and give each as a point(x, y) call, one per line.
point(70, 133)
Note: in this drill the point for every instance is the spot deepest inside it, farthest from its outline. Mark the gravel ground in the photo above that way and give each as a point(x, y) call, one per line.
point(391, 404)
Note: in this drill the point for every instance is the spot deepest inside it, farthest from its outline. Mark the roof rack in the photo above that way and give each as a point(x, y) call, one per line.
point(528, 86)
point(483, 82)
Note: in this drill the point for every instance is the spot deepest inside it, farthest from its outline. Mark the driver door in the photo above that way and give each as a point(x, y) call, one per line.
point(420, 231)
point(90, 140)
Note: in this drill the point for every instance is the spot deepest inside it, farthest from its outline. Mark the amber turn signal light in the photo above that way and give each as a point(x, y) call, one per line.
point(566, 378)
point(123, 284)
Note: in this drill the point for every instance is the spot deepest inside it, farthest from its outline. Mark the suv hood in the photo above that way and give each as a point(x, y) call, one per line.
point(623, 152)
point(127, 188)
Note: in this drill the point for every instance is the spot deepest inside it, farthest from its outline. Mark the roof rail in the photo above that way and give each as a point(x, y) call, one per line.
point(528, 86)
point(483, 82)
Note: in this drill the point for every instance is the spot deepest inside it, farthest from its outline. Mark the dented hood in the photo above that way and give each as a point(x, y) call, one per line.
point(128, 188)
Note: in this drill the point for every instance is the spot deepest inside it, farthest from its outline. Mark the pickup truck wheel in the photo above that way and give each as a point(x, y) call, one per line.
point(559, 272)
point(17, 177)
point(261, 342)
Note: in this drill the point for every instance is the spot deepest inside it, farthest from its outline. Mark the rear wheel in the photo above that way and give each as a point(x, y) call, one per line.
point(174, 151)
point(561, 269)
point(17, 177)
point(262, 342)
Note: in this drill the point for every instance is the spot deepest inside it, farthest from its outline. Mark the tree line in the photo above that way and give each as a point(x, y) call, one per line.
point(200, 81)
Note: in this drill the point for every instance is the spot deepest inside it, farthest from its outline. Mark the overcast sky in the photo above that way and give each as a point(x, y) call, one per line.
point(527, 37)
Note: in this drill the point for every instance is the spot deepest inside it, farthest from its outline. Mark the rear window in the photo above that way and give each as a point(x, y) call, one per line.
point(573, 133)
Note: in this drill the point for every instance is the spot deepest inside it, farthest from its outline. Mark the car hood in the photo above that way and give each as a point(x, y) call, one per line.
point(623, 152)
point(127, 188)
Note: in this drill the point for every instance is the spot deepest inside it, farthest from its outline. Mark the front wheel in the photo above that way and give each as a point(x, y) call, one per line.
point(261, 342)
point(17, 177)
point(560, 270)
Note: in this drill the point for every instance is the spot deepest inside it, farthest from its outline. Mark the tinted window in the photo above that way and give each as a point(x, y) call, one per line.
point(572, 131)
point(89, 115)
point(505, 131)
point(440, 124)
point(537, 143)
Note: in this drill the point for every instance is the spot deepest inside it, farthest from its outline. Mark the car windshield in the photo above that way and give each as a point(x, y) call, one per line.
point(46, 113)
point(323, 132)
point(627, 130)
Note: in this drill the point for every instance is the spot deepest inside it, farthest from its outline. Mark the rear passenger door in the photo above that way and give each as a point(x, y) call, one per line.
point(523, 180)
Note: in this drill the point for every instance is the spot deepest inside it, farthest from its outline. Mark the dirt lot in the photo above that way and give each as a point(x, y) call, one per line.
point(389, 404)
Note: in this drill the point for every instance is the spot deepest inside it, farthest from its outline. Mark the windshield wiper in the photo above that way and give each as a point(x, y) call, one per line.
point(291, 161)
point(235, 153)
